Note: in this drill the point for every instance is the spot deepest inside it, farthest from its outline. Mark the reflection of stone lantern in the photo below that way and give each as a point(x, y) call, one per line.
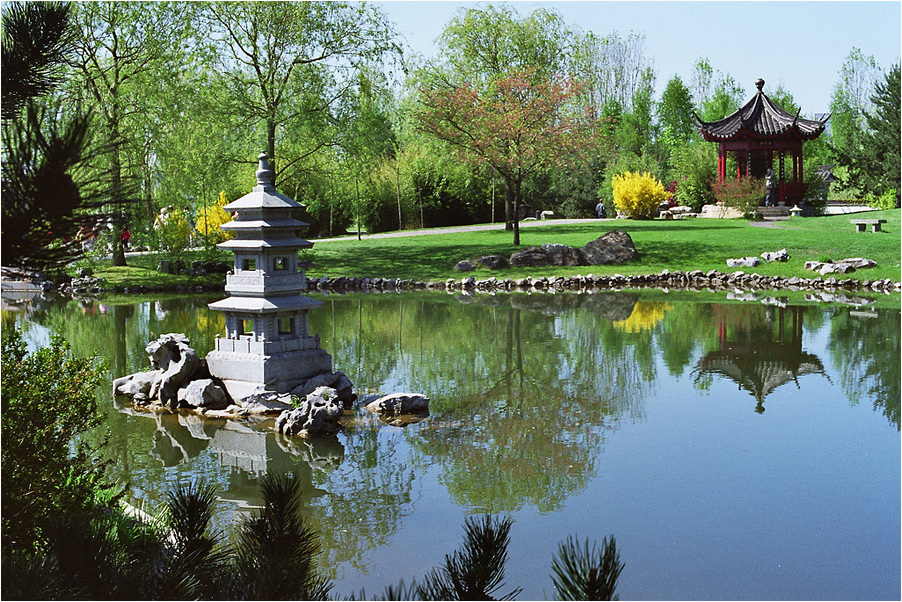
point(266, 343)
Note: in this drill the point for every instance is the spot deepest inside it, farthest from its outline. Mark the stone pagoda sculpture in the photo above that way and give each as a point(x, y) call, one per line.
point(266, 344)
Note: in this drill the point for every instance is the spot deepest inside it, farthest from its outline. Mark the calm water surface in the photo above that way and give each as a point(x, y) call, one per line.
point(736, 450)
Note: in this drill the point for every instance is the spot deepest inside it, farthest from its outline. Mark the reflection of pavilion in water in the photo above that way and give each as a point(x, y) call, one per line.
point(762, 355)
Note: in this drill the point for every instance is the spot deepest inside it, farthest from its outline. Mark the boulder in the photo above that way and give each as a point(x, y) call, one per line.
point(857, 262)
point(614, 247)
point(265, 402)
point(139, 383)
point(204, 393)
point(337, 380)
point(400, 403)
point(493, 262)
point(781, 255)
point(172, 354)
point(317, 414)
point(529, 258)
point(744, 262)
point(466, 265)
point(562, 254)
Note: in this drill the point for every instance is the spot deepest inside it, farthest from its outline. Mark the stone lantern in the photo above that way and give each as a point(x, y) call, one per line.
point(266, 344)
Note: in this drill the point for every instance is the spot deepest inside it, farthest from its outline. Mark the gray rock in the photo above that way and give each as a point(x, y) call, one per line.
point(529, 257)
point(857, 262)
point(562, 254)
point(265, 402)
point(781, 255)
point(615, 247)
point(400, 403)
point(465, 265)
point(204, 393)
point(317, 414)
point(139, 383)
point(493, 262)
point(172, 354)
point(744, 262)
point(337, 380)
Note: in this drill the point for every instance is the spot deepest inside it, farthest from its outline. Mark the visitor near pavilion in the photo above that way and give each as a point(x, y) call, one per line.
point(770, 183)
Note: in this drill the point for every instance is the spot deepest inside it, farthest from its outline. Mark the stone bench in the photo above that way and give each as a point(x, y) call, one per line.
point(860, 224)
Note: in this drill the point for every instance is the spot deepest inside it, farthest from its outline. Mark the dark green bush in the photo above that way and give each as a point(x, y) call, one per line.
point(48, 403)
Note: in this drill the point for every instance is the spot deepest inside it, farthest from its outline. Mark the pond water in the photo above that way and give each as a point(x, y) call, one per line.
point(736, 450)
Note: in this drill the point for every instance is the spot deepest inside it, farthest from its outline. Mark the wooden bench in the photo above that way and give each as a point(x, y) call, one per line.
point(860, 224)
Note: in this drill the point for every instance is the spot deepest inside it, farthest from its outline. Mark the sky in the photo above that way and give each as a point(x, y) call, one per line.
point(801, 45)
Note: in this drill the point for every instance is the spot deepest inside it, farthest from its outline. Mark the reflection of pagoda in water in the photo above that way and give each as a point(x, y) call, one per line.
point(762, 356)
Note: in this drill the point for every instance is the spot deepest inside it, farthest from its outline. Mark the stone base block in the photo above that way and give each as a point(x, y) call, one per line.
point(280, 372)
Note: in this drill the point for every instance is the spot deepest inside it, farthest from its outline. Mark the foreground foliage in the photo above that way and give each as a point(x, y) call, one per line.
point(175, 556)
point(48, 402)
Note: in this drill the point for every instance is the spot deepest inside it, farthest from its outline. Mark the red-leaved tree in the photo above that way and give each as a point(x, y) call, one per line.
point(518, 124)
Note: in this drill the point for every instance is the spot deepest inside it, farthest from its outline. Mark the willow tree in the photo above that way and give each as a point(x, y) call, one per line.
point(287, 64)
point(122, 50)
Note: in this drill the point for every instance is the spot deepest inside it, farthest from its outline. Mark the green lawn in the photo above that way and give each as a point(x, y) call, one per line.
point(703, 244)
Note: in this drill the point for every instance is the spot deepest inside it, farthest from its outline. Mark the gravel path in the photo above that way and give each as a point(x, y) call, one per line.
point(473, 228)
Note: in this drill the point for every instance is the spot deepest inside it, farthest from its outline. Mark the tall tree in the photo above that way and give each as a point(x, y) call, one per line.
point(288, 63)
point(517, 125)
point(614, 68)
point(122, 48)
point(480, 46)
point(874, 163)
point(850, 100)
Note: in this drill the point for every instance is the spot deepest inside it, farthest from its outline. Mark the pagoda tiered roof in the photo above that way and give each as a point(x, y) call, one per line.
point(759, 118)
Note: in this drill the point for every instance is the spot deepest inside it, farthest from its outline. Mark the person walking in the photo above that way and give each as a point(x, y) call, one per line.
point(600, 210)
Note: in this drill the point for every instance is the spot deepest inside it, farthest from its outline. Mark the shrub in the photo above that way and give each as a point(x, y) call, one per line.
point(172, 234)
point(48, 403)
point(695, 169)
point(887, 200)
point(209, 220)
point(624, 162)
point(745, 194)
point(638, 195)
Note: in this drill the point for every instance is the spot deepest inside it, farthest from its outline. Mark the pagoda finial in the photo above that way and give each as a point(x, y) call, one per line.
point(759, 83)
point(264, 173)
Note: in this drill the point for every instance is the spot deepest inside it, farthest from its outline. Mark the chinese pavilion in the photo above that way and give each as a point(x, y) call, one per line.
point(757, 134)
point(266, 344)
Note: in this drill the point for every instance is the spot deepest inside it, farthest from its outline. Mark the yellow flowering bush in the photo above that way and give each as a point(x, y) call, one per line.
point(210, 218)
point(172, 233)
point(637, 195)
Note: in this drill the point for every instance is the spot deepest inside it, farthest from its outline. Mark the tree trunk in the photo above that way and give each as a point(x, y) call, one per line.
point(271, 147)
point(512, 198)
point(398, 183)
point(357, 204)
point(509, 218)
point(118, 201)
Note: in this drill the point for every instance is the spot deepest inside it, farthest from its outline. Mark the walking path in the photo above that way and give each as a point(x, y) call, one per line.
point(473, 228)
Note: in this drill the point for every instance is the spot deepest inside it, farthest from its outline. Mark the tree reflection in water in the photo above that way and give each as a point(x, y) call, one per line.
point(526, 390)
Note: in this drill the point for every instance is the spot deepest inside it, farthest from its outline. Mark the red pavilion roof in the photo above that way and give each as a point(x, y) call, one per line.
point(760, 118)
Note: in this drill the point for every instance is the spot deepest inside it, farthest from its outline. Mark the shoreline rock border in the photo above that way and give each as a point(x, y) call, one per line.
point(692, 280)
point(666, 279)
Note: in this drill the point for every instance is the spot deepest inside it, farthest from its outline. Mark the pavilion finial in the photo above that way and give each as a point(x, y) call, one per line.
point(759, 83)
point(264, 173)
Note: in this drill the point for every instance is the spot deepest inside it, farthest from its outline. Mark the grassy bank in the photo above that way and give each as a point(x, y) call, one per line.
point(703, 244)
